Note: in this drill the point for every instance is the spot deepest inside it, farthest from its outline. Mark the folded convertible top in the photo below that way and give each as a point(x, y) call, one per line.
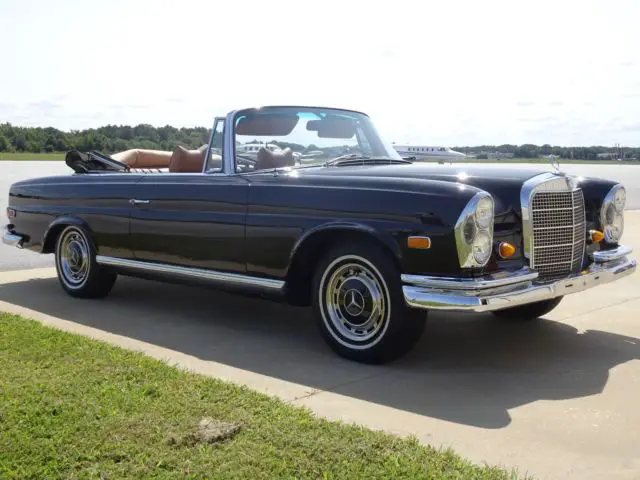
point(85, 162)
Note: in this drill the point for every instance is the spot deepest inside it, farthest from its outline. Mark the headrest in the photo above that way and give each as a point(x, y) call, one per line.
point(187, 161)
point(268, 159)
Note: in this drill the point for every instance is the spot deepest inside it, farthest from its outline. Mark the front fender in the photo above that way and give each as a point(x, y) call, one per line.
point(594, 190)
point(340, 226)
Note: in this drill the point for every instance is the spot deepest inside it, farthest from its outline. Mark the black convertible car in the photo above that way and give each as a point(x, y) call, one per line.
point(311, 206)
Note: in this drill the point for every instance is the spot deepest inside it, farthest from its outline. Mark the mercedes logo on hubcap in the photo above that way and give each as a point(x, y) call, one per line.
point(74, 258)
point(354, 302)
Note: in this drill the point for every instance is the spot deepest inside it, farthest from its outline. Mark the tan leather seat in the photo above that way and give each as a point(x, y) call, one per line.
point(180, 160)
point(143, 158)
point(267, 159)
point(187, 161)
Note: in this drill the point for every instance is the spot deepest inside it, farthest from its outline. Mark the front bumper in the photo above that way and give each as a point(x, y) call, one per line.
point(510, 289)
point(9, 237)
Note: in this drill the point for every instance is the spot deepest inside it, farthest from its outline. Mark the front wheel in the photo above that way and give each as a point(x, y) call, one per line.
point(530, 311)
point(359, 305)
point(78, 272)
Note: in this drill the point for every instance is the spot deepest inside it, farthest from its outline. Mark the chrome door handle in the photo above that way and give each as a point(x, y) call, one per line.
point(134, 201)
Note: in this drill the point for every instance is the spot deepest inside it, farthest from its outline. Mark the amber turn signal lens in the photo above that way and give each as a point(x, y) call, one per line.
point(506, 250)
point(596, 236)
point(419, 243)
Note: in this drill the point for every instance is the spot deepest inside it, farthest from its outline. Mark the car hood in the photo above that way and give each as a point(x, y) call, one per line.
point(503, 183)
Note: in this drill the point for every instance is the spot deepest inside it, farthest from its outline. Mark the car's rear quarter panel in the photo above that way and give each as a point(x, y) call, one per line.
point(100, 201)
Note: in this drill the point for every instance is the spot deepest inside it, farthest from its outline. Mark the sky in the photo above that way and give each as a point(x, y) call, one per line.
point(455, 72)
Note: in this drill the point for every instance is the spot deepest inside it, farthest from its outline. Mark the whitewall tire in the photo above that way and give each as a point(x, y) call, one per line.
point(359, 306)
point(78, 273)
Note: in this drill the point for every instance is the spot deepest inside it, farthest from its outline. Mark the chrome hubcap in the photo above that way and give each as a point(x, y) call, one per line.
point(355, 302)
point(74, 258)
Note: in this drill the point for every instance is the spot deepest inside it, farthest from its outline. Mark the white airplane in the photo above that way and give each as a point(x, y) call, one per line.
point(424, 152)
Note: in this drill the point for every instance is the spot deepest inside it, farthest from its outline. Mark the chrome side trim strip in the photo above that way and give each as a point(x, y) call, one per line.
point(517, 294)
point(196, 273)
point(501, 279)
point(602, 256)
point(11, 238)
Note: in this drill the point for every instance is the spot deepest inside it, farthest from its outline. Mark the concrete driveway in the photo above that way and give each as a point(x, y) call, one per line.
point(557, 398)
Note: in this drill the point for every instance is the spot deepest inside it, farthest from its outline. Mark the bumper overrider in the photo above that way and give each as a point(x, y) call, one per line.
point(510, 289)
point(9, 237)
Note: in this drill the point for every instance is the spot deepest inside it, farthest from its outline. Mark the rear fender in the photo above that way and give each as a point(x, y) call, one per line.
point(54, 229)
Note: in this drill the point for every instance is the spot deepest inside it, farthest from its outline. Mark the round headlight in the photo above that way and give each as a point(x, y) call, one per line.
point(613, 230)
point(620, 200)
point(482, 247)
point(469, 230)
point(612, 214)
point(484, 212)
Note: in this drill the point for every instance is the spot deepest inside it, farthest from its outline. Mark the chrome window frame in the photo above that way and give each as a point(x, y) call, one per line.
point(229, 147)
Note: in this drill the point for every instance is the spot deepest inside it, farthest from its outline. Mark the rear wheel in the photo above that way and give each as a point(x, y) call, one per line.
point(530, 311)
point(78, 272)
point(359, 305)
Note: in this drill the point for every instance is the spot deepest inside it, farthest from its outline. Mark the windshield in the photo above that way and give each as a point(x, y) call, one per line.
point(275, 137)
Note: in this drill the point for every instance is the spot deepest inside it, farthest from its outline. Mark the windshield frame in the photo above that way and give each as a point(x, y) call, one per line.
point(377, 143)
point(229, 139)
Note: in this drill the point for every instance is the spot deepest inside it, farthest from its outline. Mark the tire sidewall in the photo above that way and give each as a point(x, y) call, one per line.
point(403, 326)
point(321, 287)
point(90, 261)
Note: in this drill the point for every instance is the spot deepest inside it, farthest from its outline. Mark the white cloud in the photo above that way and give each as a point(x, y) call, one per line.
point(455, 73)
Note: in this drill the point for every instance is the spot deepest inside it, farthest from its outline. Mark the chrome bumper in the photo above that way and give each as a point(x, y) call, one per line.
point(510, 289)
point(11, 238)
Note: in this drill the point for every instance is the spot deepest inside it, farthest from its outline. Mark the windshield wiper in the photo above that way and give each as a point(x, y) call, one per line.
point(357, 159)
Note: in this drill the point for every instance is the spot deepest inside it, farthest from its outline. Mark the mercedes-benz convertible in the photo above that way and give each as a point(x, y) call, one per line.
point(313, 207)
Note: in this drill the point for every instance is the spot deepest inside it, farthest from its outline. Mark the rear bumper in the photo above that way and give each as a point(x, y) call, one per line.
point(9, 237)
point(510, 289)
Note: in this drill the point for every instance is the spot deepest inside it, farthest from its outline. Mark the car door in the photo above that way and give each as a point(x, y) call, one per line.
point(193, 220)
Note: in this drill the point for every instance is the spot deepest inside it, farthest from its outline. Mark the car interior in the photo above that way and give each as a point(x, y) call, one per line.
point(182, 160)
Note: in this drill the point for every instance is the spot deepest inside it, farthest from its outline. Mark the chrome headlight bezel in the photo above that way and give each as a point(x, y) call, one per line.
point(471, 229)
point(614, 203)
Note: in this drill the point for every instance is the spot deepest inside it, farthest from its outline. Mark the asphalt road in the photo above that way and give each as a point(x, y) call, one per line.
point(14, 259)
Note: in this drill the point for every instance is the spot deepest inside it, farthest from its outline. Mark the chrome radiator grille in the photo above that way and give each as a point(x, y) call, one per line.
point(558, 232)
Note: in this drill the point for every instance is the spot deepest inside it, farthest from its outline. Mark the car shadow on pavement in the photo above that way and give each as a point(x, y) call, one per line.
point(468, 369)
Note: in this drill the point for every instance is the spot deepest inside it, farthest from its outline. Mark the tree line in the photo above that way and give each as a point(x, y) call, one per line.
point(107, 139)
point(116, 138)
point(535, 151)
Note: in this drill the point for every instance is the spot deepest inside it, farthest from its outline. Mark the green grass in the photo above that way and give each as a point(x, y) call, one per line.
point(72, 407)
point(32, 156)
